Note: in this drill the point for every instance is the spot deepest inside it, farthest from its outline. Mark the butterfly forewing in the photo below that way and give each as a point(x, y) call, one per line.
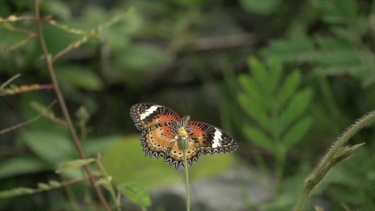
point(146, 114)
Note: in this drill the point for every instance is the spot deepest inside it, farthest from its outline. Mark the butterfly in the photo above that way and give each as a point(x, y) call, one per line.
point(162, 128)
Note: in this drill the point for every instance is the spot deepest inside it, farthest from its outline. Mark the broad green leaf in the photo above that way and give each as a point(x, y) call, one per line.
point(288, 87)
point(22, 165)
point(254, 110)
point(259, 138)
point(51, 147)
point(296, 132)
point(142, 57)
point(296, 107)
point(127, 153)
point(137, 193)
point(93, 146)
point(74, 164)
point(79, 76)
point(58, 9)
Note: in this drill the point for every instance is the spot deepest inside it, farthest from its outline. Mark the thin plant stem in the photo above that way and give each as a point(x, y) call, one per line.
point(28, 121)
point(71, 196)
point(186, 181)
point(336, 154)
point(62, 103)
point(9, 81)
point(108, 185)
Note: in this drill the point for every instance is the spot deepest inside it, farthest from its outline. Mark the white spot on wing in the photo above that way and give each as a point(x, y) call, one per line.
point(217, 138)
point(149, 111)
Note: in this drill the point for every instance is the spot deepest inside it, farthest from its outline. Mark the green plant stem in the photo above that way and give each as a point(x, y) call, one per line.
point(280, 166)
point(62, 103)
point(9, 81)
point(28, 121)
point(186, 181)
point(109, 185)
point(335, 155)
point(71, 196)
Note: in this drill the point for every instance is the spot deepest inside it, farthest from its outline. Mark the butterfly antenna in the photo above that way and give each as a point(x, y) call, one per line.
point(186, 107)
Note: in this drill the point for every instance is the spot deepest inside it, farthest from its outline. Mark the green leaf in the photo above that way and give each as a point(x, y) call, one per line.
point(298, 130)
point(79, 76)
point(288, 88)
point(275, 67)
point(74, 164)
point(51, 147)
point(105, 182)
point(54, 183)
point(297, 48)
point(250, 87)
point(297, 106)
point(141, 57)
point(93, 146)
point(137, 193)
point(58, 9)
point(259, 138)
point(260, 74)
point(259, 6)
point(348, 9)
point(21, 165)
point(43, 186)
point(15, 192)
point(254, 110)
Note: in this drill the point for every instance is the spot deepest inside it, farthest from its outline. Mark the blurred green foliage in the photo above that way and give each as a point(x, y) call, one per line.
point(315, 75)
point(278, 108)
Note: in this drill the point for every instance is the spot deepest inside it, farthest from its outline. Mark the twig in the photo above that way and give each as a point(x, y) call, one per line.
point(64, 109)
point(224, 42)
point(24, 88)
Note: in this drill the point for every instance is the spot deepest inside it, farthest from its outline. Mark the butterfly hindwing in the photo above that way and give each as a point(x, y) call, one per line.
point(156, 139)
point(212, 139)
point(175, 156)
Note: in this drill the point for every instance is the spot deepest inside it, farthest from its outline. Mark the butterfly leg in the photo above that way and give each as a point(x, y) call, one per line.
point(172, 142)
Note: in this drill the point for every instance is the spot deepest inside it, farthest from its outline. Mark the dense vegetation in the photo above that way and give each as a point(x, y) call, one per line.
point(285, 78)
